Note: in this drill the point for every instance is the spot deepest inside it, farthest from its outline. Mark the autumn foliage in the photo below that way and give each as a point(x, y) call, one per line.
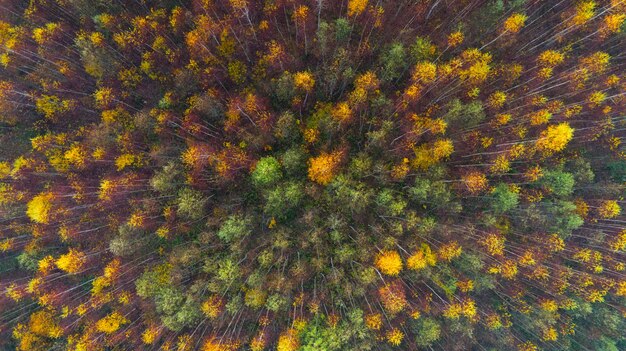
point(312, 175)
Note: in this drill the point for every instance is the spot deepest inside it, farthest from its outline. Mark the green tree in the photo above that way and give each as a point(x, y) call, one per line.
point(191, 203)
point(393, 62)
point(558, 182)
point(266, 172)
point(464, 115)
point(294, 161)
point(503, 199)
point(427, 331)
point(284, 199)
point(127, 241)
point(287, 129)
point(422, 50)
point(235, 227)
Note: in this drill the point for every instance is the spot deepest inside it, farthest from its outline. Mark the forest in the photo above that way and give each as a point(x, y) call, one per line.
point(312, 175)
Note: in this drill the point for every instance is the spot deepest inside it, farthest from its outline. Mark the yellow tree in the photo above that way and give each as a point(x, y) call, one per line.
point(39, 208)
point(555, 138)
point(72, 261)
point(389, 262)
point(323, 168)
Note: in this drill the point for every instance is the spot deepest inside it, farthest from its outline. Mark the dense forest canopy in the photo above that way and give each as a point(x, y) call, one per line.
point(313, 175)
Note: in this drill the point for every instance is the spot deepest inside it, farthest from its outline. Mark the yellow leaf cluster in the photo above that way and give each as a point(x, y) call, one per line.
point(392, 298)
point(111, 323)
point(509, 269)
point(103, 97)
point(527, 346)
point(394, 336)
point(449, 251)
point(465, 308)
point(46, 264)
point(239, 4)
point(550, 334)
point(71, 262)
point(501, 164)
point(389, 262)
point(479, 68)
point(621, 288)
point(619, 242)
point(363, 84)
point(76, 155)
point(45, 33)
point(42, 323)
point(323, 168)
point(584, 12)
point(304, 81)
point(126, 160)
point(515, 22)
point(288, 341)
point(609, 209)
point(497, 99)
point(214, 344)
point(421, 258)
point(300, 14)
point(106, 189)
point(51, 106)
point(425, 72)
point(550, 58)
point(212, 307)
point(613, 22)
point(555, 137)
point(427, 155)
point(540, 117)
point(596, 62)
point(356, 7)
point(374, 321)
point(475, 182)
point(596, 98)
point(455, 39)
point(149, 335)
point(9, 37)
point(38, 209)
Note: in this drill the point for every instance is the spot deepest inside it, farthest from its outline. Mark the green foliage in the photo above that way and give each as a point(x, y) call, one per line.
point(287, 129)
point(28, 260)
point(191, 203)
point(235, 227)
point(349, 195)
point(561, 217)
point(422, 49)
point(128, 241)
point(361, 166)
point(558, 182)
point(266, 172)
point(582, 171)
point(176, 309)
point(464, 115)
point(391, 204)
point(432, 194)
point(342, 29)
point(617, 171)
point(285, 88)
point(503, 199)
point(427, 331)
point(294, 162)
point(393, 62)
point(276, 302)
point(284, 199)
point(349, 334)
